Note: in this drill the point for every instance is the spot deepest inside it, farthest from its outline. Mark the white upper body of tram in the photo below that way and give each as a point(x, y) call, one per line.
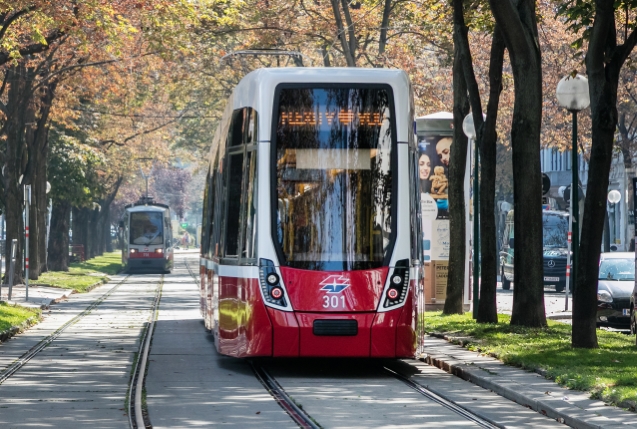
point(311, 216)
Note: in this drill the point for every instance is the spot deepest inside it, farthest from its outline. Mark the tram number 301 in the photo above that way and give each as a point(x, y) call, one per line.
point(333, 301)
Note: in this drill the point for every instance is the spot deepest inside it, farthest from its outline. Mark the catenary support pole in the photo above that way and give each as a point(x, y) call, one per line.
point(476, 232)
point(575, 204)
point(27, 200)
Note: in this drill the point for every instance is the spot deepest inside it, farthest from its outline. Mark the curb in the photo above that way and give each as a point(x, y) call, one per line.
point(12, 331)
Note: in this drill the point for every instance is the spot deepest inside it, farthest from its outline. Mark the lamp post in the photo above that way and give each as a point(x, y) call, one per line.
point(614, 197)
point(469, 130)
point(572, 94)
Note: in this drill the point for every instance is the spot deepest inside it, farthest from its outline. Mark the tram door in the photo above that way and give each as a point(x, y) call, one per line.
point(417, 252)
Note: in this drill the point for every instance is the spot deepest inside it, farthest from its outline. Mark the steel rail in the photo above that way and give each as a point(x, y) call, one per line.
point(447, 403)
point(33, 351)
point(299, 416)
point(135, 404)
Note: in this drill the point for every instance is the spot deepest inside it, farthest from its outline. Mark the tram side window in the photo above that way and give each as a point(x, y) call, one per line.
point(239, 223)
point(231, 188)
point(233, 215)
point(236, 128)
point(216, 212)
point(250, 207)
point(205, 217)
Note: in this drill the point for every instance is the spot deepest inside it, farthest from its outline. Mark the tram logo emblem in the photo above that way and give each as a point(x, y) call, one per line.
point(335, 284)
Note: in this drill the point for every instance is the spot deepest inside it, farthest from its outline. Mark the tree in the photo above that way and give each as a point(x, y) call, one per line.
point(486, 139)
point(517, 21)
point(604, 60)
point(72, 173)
point(457, 215)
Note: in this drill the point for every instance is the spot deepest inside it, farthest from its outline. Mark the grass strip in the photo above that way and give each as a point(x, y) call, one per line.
point(82, 275)
point(14, 315)
point(609, 373)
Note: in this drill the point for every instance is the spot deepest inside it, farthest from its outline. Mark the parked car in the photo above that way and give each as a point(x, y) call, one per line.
point(615, 286)
point(554, 245)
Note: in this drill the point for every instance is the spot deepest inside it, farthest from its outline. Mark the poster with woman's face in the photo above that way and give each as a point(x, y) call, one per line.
point(433, 169)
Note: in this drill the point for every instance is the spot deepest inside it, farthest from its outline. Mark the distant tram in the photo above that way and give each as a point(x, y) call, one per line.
point(147, 237)
point(311, 238)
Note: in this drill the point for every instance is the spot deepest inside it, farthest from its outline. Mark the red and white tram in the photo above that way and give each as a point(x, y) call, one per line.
point(311, 242)
point(147, 236)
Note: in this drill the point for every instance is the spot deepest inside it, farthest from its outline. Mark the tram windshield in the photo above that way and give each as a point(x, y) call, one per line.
point(146, 228)
point(333, 151)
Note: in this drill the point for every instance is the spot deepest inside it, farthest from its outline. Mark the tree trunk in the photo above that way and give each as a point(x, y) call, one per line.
point(486, 140)
point(30, 177)
point(80, 228)
point(58, 255)
point(340, 27)
point(457, 213)
point(38, 149)
point(106, 229)
point(96, 236)
point(384, 27)
point(487, 309)
point(603, 77)
point(519, 29)
point(43, 209)
point(18, 99)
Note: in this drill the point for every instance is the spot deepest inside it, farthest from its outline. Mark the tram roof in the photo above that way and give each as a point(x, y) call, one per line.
point(154, 207)
point(263, 81)
point(325, 75)
point(257, 88)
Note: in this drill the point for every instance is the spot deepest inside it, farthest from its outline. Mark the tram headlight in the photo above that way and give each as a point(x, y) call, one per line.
point(271, 285)
point(133, 250)
point(392, 293)
point(276, 292)
point(159, 250)
point(397, 285)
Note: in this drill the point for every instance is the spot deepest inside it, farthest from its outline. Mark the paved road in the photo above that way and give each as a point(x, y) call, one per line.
point(80, 379)
point(190, 385)
point(554, 302)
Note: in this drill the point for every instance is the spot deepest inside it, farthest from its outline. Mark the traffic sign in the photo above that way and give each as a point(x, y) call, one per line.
point(546, 184)
point(567, 193)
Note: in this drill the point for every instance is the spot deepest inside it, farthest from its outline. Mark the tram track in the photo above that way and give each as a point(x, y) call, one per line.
point(137, 411)
point(441, 400)
point(301, 417)
point(305, 420)
point(279, 394)
point(36, 349)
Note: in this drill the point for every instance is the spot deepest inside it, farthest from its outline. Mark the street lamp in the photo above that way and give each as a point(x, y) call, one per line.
point(572, 94)
point(614, 197)
point(470, 131)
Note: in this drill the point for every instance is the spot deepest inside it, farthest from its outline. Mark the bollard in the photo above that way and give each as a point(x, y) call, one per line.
point(14, 248)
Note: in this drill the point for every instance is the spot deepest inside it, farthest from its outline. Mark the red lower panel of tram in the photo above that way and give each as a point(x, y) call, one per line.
point(246, 327)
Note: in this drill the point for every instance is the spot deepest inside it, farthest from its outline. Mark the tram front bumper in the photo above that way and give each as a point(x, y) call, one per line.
point(369, 334)
point(146, 264)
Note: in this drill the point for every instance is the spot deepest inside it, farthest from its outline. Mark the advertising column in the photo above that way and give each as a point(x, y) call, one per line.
point(435, 140)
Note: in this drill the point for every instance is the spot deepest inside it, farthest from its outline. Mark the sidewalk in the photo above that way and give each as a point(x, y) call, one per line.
point(529, 389)
point(39, 296)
